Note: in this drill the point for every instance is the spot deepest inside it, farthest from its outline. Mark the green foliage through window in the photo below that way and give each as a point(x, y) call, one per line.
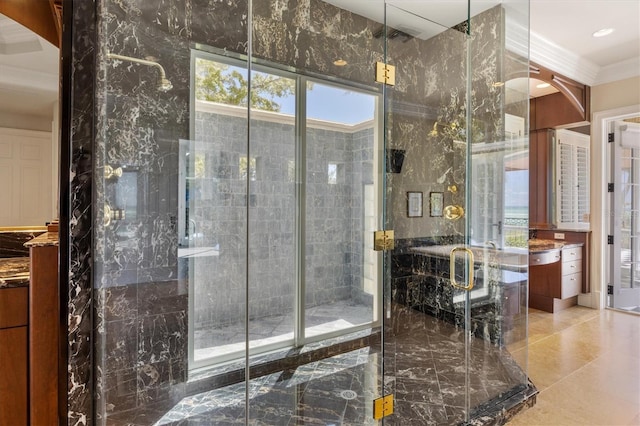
point(221, 83)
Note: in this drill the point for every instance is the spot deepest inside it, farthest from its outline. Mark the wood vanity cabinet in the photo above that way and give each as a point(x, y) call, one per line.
point(43, 338)
point(545, 270)
point(14, 313)
point(580, 237)
point(555, 279)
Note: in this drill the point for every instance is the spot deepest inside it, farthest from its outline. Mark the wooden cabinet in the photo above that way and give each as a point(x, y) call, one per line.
point(555, 279)
point(569, 106)
point(580, 237)
point(571, 282)
point(43, 338)
point(540, 179)
point(544, 274)
point(13, 356)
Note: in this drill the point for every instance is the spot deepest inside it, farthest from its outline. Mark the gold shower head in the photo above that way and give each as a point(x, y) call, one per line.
point(163, 84)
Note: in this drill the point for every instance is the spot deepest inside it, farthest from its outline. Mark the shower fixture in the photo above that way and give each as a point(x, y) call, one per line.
point(163, 84)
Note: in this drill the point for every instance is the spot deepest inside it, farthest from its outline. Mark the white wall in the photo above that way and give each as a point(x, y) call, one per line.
point(26, 122)
point(615, 95)
point(607, 101)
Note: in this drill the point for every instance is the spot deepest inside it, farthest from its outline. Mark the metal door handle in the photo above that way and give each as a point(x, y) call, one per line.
point(452, 268)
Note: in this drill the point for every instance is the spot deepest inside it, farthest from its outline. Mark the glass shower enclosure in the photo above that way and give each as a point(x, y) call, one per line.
point(320, 213)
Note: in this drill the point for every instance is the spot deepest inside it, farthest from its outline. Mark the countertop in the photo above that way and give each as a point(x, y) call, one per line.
point(14, 272)
point(542, 246)
point(513, 259)
point(46, 239)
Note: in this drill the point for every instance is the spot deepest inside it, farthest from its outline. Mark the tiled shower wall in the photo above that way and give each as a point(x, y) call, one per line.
point(334, 217)
point(136, 321)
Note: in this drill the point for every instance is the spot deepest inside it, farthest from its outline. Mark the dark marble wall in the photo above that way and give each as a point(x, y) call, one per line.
point(137, 327)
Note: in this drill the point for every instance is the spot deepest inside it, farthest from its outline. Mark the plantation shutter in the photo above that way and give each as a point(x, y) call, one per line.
point(572, 171)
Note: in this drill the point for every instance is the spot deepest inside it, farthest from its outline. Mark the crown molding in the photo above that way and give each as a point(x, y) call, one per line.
point(562, 61)
point(619, 71)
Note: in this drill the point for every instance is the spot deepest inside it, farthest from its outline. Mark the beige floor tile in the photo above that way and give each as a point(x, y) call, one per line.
point(586, 363)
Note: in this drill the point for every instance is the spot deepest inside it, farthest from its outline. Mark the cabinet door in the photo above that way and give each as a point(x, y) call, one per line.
point(539, 179)
point(13, 376)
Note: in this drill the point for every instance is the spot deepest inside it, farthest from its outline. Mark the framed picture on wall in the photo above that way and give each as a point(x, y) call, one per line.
point(414, 204)
point(436, 201)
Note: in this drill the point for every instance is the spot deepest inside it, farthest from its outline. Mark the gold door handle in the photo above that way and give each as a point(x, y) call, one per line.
point(452, 268)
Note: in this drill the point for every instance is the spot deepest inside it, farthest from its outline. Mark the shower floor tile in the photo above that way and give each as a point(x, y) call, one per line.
point(424, 368)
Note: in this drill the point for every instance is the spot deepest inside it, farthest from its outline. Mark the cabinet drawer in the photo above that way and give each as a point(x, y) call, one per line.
point(571, 267)
point(14, 307)
point(571, 285)
point(544, 258)
point(571, 254)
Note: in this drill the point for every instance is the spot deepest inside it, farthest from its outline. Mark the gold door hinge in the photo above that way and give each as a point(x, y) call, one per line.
point(383, 407)
point(383, 240)
point(385, 74)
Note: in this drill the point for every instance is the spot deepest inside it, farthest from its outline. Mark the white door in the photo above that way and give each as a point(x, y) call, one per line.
point(625, 217)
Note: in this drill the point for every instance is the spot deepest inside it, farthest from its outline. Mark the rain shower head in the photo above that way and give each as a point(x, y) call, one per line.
point(163, 84)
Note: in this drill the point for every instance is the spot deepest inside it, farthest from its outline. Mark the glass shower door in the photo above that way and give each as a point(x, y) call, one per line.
point(455, 299)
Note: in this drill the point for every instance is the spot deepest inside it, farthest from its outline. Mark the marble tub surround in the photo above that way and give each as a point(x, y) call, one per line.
point(14, 272)
point(12, 241)
point(421, 281)
point(508, 259)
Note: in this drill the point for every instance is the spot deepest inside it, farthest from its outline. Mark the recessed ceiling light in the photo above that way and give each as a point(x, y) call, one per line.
point(542, 85)
point(603, 32)
point(340, 62)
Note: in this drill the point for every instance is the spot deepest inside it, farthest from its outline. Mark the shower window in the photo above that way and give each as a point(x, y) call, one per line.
point(298, 198)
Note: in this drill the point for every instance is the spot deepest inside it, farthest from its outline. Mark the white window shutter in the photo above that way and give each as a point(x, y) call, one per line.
point(572, 168)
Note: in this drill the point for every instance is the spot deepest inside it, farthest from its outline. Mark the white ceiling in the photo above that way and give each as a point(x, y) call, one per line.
point(28, 72)
point(561, 39)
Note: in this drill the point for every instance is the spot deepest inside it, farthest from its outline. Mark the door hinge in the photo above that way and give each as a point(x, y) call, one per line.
point(610, 187)
point(385, 74)
point(383, 407)
point(610, 137)
point(609, 289)
point(383, 240)
point(609, 239)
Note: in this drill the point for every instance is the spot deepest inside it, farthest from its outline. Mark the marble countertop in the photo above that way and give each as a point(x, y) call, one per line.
point(46, 239)
point(541, 246)
point(14, 272)
point(513, 259)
